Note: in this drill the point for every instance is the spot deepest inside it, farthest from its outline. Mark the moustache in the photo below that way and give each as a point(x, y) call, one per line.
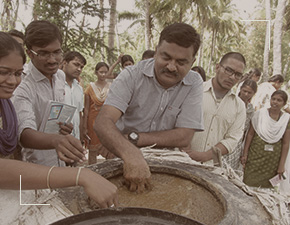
point(52, 64)
point(165, 70)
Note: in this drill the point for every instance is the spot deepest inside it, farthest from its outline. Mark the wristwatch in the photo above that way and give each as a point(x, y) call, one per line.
point(133, 137)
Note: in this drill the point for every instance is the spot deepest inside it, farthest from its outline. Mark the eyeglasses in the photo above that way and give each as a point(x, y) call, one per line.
point(46, 55)
point(229, 71)
point(5, 72)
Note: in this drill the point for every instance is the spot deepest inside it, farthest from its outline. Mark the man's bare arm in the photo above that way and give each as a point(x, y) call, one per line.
point(69, 149)
point(177, 137)
point(136, 170)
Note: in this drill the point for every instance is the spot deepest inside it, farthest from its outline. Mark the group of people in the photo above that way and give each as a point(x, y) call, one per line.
point(159, 101)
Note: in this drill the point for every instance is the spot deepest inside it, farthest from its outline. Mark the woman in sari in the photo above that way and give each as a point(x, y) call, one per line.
point(267, 143)
point(35, 176)
point(95, 96)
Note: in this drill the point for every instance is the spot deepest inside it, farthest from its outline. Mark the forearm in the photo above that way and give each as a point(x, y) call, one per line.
point(283, 156)
point(208, 155)
point(113, 140)
point(38, 140)
point(178, 137)
point(34, 176)
point(248, 141)
point(86, 112)
point(285, 149)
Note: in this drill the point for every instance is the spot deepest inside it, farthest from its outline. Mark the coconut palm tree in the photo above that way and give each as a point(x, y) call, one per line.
point(277, 40)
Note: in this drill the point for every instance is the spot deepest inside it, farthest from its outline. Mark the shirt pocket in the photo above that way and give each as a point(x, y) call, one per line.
point(59, 94)
point(170, 117)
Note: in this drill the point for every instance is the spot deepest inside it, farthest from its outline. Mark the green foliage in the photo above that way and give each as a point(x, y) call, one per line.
point(223, 30)
point(76, 35)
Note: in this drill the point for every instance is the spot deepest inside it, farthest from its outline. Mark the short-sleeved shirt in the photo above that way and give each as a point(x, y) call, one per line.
point(30, 100)
point(75, 96)
point(224, 121)
point(148, 107)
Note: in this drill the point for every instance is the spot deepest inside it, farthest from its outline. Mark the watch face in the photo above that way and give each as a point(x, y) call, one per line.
point(134, 136)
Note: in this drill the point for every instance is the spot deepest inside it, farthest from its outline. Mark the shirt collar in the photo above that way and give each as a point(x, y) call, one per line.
point(148, 71)
point(36, 74)
point(74, 83)
point(207, 86)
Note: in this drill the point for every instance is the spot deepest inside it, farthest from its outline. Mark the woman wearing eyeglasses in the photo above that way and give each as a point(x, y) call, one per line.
point(34, 176)
point(95, 96)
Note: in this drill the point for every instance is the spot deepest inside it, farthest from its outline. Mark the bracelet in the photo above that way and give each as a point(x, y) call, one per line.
point(78, 176)
point(47, 177)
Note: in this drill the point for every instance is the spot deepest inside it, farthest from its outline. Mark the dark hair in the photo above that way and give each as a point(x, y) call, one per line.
point(8, 44)
point(41, 33)
point(181, 34)
point(201, 71)
point(234, 55)
point(250, 74)
point(16, 33)
point(101, 64)
point(275, 78)
point(252, 84)
point(148, 54)
point(69, 56)
point(282, 93)
point(126, 58)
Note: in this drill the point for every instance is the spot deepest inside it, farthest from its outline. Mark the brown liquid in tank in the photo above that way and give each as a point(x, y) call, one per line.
point(174, 194)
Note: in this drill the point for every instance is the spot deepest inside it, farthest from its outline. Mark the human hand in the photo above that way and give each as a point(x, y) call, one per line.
point(69, 149)
point(65, 128)
point(102, 191)
point(137, 174)
point(119, 58)
point(280, 171)
point(197, 156)
point(244, 159)
point(104, 152)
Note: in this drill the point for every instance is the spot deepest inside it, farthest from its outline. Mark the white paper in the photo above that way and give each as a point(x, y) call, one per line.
point(56, 112)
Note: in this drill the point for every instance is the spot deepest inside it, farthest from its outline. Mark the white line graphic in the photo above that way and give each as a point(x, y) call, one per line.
point(269, 25)
point(20, 197)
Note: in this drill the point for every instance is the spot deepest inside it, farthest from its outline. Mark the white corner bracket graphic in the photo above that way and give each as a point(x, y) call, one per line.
point(269, 26)
point(20, 197)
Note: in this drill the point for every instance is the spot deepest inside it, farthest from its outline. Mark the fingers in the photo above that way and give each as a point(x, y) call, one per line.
point(105, 153)
point(69, 149)
point(102, 191)
point(65, 128)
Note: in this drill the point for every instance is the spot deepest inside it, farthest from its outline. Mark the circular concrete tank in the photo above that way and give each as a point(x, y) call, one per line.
point(179, 188)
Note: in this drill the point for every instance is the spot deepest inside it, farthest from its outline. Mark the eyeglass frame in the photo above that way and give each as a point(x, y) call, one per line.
point(49, 54)
point(231, 73)
point(10, 73)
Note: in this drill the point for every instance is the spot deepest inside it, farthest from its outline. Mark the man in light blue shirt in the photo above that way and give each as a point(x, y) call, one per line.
point(158, 101)
point(72, 66)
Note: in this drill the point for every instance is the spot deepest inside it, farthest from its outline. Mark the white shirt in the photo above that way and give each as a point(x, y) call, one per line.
point(30, 100)
point(75, 96)
point(224, 121)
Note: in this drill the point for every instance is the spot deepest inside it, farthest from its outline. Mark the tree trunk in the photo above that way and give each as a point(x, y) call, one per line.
point(102, 29)
point(36, 6)
point(277, 61)
point(212, 50)
point(199, 59)
point(286, 67)
point(147, 24)
point(267, 39)
point(180, 14)
point(111, 34)
point(13, 24)
point(6, 15)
